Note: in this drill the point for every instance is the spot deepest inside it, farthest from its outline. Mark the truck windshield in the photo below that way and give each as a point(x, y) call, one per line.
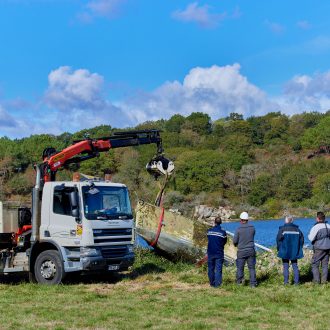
point(106, 203)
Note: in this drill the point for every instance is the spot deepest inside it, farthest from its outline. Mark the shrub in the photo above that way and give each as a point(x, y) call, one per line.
point(272, 208)
point(261, 190)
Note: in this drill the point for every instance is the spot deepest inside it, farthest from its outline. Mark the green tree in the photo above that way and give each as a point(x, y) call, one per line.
point(318, 135)
point(272, 208)
point(158, 124)
point(218, 128)
point(236, 150)
point(298, 125)
point(278, 129)
point(130, 168)
point(199, 171)
point(321, 188)
point(307, 119)
point(19, 185)
point(261, 125)
point(29, 151)
point(189, 138)
point(175, 123)
point(198, 122)
point(234, 116)
point(95, 132)
point(239, 127)
point(296, 185)
point(98, 166)
point(261, 189)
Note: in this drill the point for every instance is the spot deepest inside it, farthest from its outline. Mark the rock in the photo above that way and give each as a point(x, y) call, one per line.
point(176, 211)
point(208, 214)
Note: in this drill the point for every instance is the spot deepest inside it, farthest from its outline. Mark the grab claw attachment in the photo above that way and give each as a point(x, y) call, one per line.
point(160, 165)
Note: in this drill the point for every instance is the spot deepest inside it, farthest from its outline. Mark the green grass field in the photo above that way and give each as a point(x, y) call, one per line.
point(158, 294)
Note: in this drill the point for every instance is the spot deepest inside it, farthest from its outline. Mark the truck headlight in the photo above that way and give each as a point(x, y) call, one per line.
point(89, 252)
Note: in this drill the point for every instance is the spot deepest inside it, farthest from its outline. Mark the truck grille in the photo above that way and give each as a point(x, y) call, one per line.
point(114, 252)
point(112, 236)
point(112, 232)
point(110, 240)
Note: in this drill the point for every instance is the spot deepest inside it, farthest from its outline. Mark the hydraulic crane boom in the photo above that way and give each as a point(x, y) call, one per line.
point(89, 148)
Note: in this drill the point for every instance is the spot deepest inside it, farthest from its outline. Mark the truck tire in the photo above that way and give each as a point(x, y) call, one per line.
point(48, 268)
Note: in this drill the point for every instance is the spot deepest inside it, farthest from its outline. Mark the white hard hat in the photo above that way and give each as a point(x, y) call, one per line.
point(244, 216)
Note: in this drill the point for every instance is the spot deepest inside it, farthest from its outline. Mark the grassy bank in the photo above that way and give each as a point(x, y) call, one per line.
point(158, 294)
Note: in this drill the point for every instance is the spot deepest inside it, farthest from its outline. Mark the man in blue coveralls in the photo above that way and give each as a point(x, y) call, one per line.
point(290, 242)
point(217, 238)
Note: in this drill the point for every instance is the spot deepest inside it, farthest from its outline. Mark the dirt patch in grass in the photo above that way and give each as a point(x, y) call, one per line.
point(101, 288)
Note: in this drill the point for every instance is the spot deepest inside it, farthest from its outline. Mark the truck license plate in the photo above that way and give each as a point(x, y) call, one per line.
point(113, 267)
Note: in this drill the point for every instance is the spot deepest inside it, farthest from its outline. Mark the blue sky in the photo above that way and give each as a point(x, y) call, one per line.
point(70, 64)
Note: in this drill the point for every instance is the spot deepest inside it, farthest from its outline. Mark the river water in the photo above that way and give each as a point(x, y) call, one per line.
point(266, 230)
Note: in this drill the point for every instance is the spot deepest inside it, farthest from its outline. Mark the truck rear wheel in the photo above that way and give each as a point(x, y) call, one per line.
point(48, 268)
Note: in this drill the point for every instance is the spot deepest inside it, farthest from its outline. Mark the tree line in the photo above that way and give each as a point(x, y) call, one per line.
point(257, 164)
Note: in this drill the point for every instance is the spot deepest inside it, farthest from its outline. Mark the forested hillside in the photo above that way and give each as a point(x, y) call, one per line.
point(257, 164)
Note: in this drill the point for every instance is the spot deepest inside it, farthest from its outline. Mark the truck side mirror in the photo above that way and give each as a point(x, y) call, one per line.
point(75, 213)
point(74, 205)
point(74, 199)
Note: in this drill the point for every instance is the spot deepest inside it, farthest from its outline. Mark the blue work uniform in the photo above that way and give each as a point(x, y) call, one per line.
point(217, 238)
point(290, 242)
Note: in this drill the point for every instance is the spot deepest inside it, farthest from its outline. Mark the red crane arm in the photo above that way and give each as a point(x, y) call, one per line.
point(89, 148)
point(60, 159)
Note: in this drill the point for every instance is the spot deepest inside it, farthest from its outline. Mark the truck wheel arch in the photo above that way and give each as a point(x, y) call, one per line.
point(38, 248)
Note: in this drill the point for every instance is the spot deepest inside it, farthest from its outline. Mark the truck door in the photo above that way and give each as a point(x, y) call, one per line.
point(62, 225)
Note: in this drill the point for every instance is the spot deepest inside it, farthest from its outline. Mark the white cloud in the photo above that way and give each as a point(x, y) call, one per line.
point(276, 28)
point(100, 8)
point(75, 100)
point(6, 120)
point(307, 93)
point(216, 90)
point(199, 14)
point(78, 89)
point(78, 94)
point(11, 126)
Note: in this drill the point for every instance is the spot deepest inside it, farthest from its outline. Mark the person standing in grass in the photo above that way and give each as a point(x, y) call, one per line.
point(290, 241)
point(244, 240)
point(217, 238)
point(320, 238)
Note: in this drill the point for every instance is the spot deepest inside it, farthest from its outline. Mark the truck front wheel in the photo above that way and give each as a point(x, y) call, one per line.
point(48, 268)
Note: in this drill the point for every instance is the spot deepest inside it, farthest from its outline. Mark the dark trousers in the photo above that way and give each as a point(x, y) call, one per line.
point(320, 257)
point(214, 264)
point(240, 264)
point(295, 268)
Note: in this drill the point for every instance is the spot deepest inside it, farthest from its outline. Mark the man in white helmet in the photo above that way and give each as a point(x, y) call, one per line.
point(244, 240)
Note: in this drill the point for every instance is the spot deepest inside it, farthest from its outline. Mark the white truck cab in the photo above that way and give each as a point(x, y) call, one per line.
point(90, 222)
point(80, 227)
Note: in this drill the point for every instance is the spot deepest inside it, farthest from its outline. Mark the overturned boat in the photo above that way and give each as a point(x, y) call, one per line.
point(177, 236)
